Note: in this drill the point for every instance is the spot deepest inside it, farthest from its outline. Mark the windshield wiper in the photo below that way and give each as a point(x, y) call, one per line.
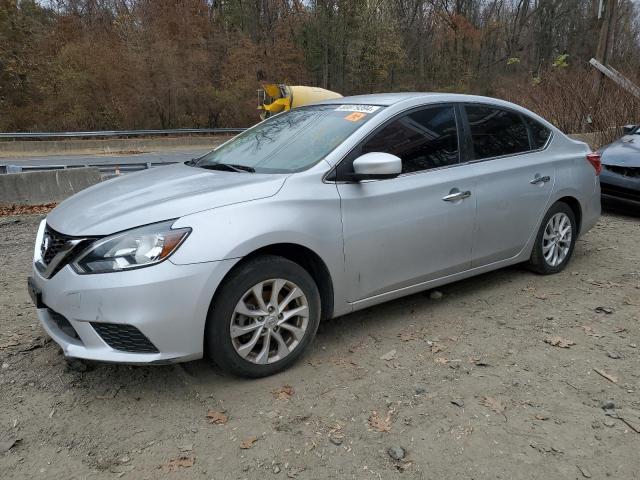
point(229, 167)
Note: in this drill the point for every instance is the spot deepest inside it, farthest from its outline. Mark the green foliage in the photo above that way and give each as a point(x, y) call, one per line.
point(561, 61)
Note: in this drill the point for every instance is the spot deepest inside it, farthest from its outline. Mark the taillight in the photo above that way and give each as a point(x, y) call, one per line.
point(594, 160)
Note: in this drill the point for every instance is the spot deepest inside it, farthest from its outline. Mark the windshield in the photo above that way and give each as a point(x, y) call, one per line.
point(292, 141)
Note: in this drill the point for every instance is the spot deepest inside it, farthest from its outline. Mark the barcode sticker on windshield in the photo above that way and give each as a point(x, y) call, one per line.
point(357, 108)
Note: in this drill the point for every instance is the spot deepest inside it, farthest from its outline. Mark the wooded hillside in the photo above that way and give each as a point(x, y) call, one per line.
point(112, 64)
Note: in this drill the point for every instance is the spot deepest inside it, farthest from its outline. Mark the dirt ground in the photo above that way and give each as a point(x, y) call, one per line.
point(464, 386)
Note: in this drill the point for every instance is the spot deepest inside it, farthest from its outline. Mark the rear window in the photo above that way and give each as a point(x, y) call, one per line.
point(496, 132)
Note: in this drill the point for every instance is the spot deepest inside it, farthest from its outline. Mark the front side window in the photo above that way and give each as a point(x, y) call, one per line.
point(424, 139)
point(496, 132)
point(292, 141)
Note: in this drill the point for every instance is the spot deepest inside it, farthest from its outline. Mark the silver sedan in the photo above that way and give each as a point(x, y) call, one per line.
point(311, 214)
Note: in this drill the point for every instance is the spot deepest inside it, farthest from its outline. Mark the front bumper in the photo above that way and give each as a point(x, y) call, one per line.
point(618, 188)
point(167, 303)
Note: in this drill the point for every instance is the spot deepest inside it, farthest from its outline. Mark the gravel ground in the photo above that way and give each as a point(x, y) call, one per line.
point(462, 386)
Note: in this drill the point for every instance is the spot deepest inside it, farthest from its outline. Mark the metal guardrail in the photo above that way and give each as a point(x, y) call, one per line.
point(118, 133)
point(107, 170)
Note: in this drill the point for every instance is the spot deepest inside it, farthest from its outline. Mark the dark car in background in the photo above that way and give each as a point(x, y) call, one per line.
point(620, 177)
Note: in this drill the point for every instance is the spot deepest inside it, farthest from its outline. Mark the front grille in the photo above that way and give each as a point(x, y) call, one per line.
point(63, 324)
point(52, 243)
point(631, 172)
point(126, 338)
point(620, 192)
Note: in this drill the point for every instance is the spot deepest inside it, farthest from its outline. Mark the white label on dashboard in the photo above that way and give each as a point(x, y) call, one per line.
point(357, 108)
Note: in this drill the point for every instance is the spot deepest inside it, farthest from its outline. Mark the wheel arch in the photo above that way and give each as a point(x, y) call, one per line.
point(307, 259)
point(576, 208)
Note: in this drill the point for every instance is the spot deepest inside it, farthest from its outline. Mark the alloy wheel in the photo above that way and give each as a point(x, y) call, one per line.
point(556, 240)
point(269, 321)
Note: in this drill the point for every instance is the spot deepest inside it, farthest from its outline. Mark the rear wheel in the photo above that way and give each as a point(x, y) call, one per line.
point(555, 241)
point(263, 317)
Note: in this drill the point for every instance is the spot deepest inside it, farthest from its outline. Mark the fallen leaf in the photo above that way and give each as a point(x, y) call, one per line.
point(608, 376)
point(408, 336)
point(380, 424)
point(7, 210)
point(217, 418)
point(493, 404)
point(284, 392)
point(388, 356)
point(248, 443)
point(559, 342)
point(589, 331)
point(183, 461)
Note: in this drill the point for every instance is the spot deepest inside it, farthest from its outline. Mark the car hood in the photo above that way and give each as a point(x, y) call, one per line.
point(154, 195)
point(623, 153)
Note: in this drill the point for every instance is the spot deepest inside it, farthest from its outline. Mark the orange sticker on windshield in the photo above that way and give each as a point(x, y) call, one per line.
point(355, 116)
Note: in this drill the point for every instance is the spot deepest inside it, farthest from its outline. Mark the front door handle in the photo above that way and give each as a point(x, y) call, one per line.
point(456, 196)
point(538, 179)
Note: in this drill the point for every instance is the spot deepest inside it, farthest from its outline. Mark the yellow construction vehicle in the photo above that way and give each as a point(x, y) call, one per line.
point(275, 98)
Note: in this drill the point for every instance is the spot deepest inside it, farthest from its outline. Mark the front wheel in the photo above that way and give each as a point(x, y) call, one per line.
point(263, 317)
point(555, 241)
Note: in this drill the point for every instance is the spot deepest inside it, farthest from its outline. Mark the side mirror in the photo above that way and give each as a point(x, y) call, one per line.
point(628, 129)
point(376, 166)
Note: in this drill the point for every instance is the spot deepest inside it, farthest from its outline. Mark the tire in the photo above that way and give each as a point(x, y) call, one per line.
point(236, 308)
point(547, 265)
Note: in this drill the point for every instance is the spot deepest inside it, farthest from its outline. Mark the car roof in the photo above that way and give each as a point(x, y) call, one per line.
point(388, 99)
point(383, 99)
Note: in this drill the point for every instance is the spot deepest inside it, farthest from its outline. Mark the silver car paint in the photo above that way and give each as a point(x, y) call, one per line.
point(155, 195)
point(379, 240)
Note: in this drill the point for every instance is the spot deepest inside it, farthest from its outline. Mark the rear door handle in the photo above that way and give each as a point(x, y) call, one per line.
point(456, 196)
point(538, 179)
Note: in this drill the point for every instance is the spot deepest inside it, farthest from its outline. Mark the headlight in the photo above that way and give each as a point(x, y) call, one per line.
point(140, 247)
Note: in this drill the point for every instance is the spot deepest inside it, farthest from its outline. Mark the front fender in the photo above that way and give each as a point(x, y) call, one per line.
point(305, 212)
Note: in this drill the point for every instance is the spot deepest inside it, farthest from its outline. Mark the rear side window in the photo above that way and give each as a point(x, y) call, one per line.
point(423, 139)
point(496, 132)
point(539, 133)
